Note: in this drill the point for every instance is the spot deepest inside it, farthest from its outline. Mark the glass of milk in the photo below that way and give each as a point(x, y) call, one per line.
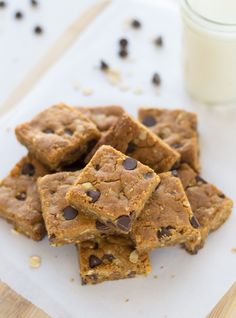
point(209, 48)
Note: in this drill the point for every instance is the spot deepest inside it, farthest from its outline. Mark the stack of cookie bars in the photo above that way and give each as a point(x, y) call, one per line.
point(114, 186)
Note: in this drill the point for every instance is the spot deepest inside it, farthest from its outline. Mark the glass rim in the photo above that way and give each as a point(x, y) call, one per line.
point(202, 17)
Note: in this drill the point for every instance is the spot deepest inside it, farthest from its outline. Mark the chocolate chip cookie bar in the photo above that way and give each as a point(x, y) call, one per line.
point(178, 128)
point(104, 117)
point(210, 206)
point(19, 199)
point(113, 188)
point(64, 223)
point(110, 258)
point(135, 140)
point(166, 219)
point(58, 135)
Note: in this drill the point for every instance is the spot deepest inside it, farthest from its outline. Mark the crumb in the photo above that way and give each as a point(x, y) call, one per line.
point(155, 276)
point(14, 232)
point(76, 85)
point(72, 279)
point(233, 250)
point(35, 261)
point(138, 91)
point(126, 300)
point(87, 91)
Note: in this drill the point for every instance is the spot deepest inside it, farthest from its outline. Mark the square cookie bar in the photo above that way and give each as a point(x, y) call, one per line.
point(110, 258)
point(178, 128)
point(210, 206)
point(19, 198)
point(58, 135)
point(113, 188)
point(102, 116)
point(65, 224)
point(135, 140)
point(166, 219)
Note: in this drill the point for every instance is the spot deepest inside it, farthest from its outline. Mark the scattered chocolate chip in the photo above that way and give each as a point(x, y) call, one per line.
point(21, 196)
point(131, 147)
point(101, 226)
point(2, 4)
point(123, 43)
point(194, 222)
point(174, 173)
point(148, 175)
point(123, 53)
point(94, 261)
point(28, 169)
point(38, 29)
point(48, 131)
point(34, 3)
point(156, 79)
point(124, 223)
point(164, 232)
point(104, 66)
point(68, 131)
point(94, 195)
point(158, 41)
point(130, 164)
point(176, 145)
point(200, 179)
point(18, 15)
point(97, 167)
point(136, 24)
point(108, 257)
point(69, 213)
point(221, 195)
point(149, 121)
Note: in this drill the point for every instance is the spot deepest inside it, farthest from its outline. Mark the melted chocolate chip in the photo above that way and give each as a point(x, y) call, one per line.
point(21, 196)
point(48, 131)
point(104, 66)
point(131, 147)
point(97, 167)
point(194, 222)
point(200, 179)
point(94, 261)
point(174, 173)
point(221, 195)
point(123, 43)
point(148, 175)
point(28, 169)
point(176, 145)
point(108, 257)
point(149, 121)
point(130, 164)
point(164, 232)
point(136, 24)
point(94, 195)
point(124, 223)
point(69, 213)
point(156, 79)
point(101, 226)
point(159, 41)
point(68, 131)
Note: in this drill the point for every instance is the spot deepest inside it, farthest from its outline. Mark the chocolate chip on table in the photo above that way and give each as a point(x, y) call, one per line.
point(69, 213)
point(174, 173)
point(156, 79)
point(123, 53)
point(124, 223)
point(38, 29)
point(21, 196)
point(94, 261)
point(101, 226)
point(48, 131)
point(34, 3)
point(194, 222)
point(18, 15)
point(123, 43)
point(94, 195)
point(148, 175)
point(2, 4)
point(136, 24)
point(200, 179)
point(130, 164)
point(104, 66)
point(164, 232)
point(149, 121)
point(158, 41)
point(131, 147)
point(28, 169)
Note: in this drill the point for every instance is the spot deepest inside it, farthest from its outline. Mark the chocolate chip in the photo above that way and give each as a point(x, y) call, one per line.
point(38, 29)
point(69, 213)
point(156, 79)
point(148, 175)
point(176, 145)
point(48, 131)
point(174, 173)
point(18, 15)
point(124, 223)
point(34, 3)
point(94, 195)
point(200, 179)
point(28, 169)
point(123, 43)
point(104, 66)
point(94, 261)
point(52, 237)
point(194, 222)
point(101, 226)
point(159, 41)
point(221, 195)
point(164, 232)
point(2, 4)
point(108, 257)
point(130, 164)
point(123, 53)
point(68, 131)
point(21, 196)
point(149, 121)
point(136, 24)
point(131, 147)
point(97, 167)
